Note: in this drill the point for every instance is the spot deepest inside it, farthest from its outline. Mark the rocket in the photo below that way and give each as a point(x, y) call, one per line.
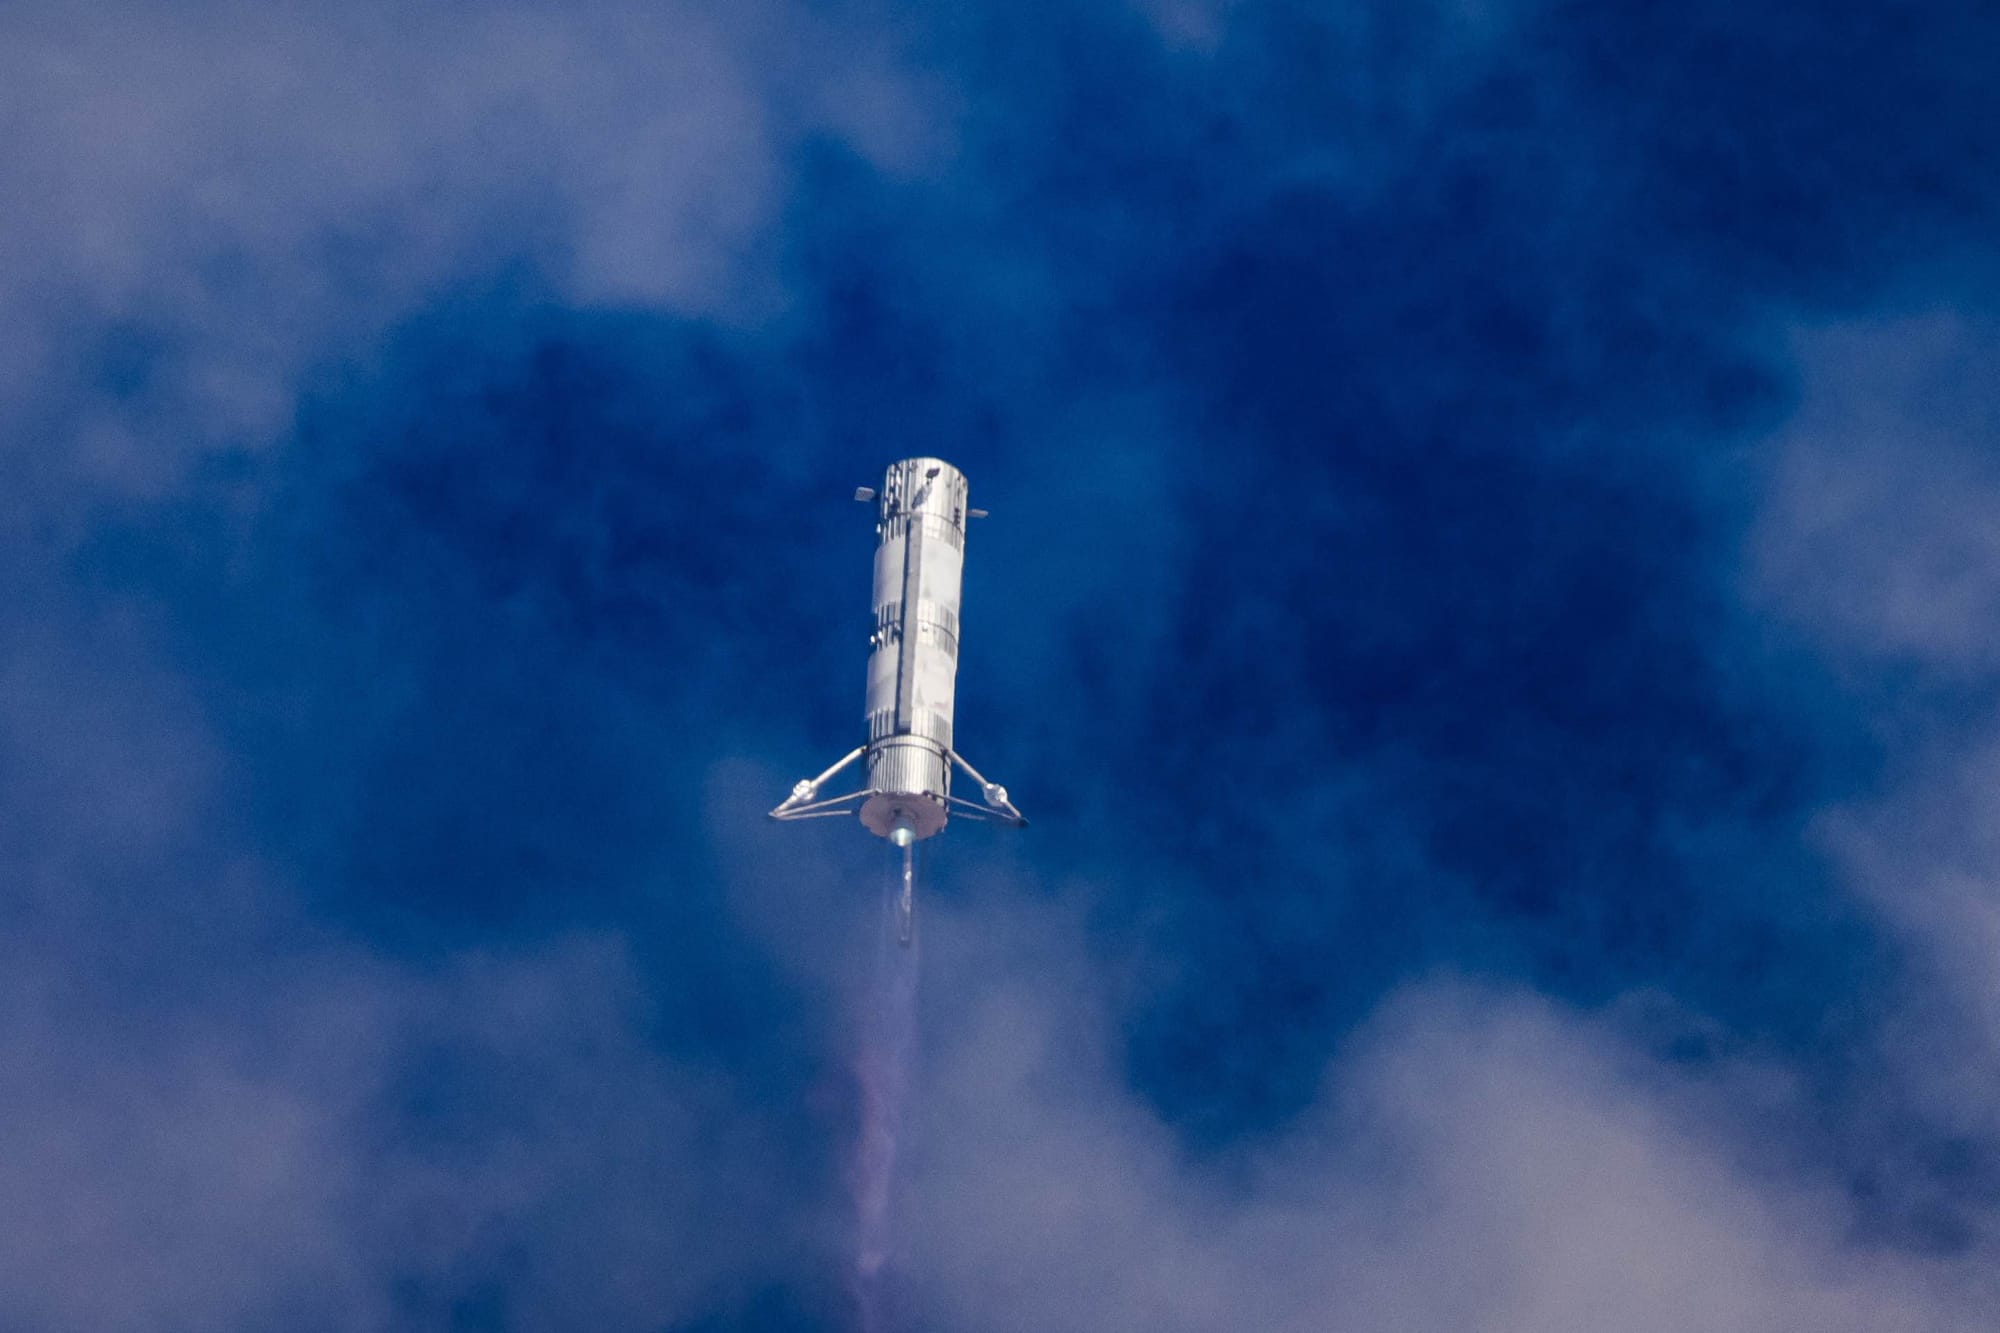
point(907, 762)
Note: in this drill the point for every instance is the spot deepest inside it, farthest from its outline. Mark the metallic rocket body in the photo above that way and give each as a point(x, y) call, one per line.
point(920, 527)
point(913, 658)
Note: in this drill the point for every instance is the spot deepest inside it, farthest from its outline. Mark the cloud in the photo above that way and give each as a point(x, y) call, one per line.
point(1873, 547)
point(1478, 1158)
point(1922, 853)
point(1876, 539)
point(219, 1108)
point(332, 1143)
point(421, 554)
point(1876, 531)
point(230, 197)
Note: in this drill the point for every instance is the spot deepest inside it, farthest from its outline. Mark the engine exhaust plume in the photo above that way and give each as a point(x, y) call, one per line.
point(885, 1053)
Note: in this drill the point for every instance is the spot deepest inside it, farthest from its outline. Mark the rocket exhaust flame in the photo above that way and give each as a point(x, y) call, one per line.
point(885, 1053)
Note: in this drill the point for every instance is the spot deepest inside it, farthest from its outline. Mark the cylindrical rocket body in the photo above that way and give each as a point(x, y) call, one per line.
point(913, 662)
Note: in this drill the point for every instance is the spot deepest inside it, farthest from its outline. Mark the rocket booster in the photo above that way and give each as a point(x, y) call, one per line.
point(909, 756)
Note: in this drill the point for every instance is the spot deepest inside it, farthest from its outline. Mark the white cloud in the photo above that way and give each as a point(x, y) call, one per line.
point(1879, 538)
point(1478, 1160)
point(1880, 527)
point(222, 1113)
point(244, 192)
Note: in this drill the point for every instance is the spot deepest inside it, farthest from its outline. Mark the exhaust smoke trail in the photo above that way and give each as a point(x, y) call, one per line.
point(906, 904)
point(885, 1051)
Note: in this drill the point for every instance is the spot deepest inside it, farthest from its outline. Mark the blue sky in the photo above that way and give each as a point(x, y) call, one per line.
point(1489, 604)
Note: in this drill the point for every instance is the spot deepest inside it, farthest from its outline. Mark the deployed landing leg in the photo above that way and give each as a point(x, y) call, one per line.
point(805, 802)
point(907, 813)
point(998, 809)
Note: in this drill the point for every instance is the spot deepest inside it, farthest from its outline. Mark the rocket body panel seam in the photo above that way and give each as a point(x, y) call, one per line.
point(906, 645)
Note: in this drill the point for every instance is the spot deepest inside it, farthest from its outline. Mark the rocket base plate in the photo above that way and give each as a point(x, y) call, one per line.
point(923, 813)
